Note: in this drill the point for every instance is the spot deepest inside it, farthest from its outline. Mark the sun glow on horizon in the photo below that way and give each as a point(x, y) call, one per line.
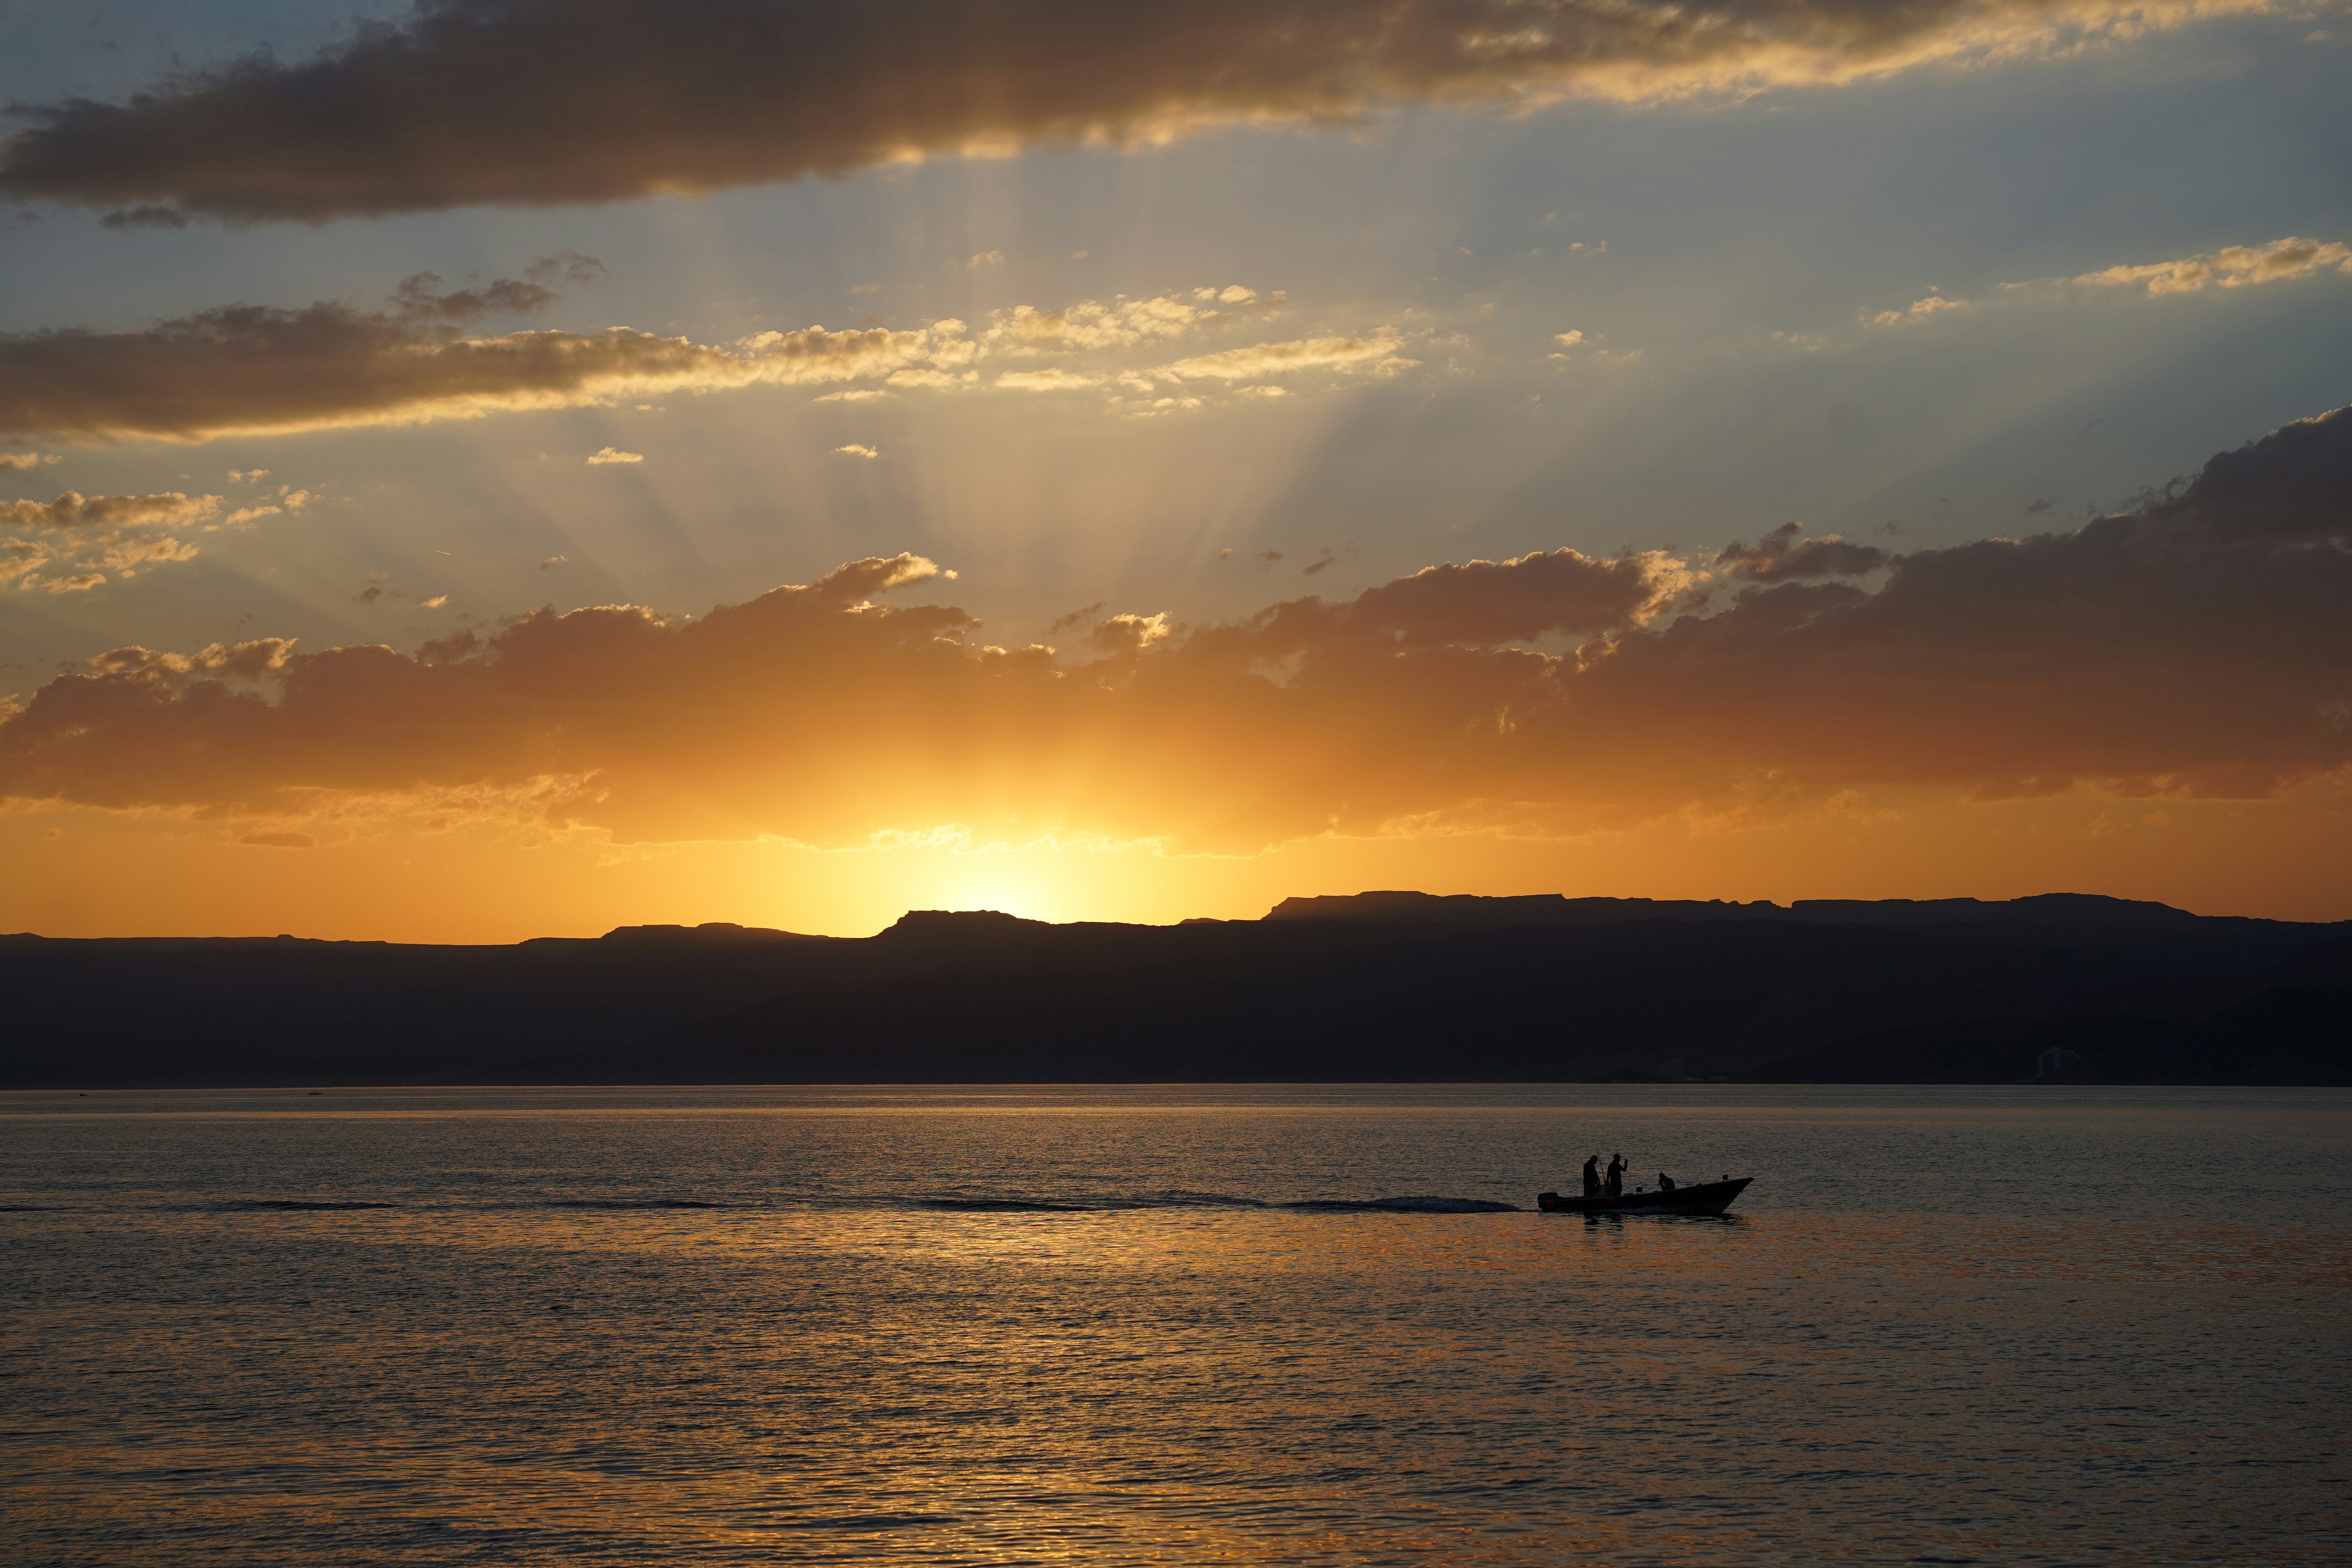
point(88, 872)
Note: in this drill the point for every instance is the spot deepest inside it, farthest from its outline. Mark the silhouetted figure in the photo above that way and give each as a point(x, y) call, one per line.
point(1616, 1184)
point(1592, 1177)
point(1666, 1183)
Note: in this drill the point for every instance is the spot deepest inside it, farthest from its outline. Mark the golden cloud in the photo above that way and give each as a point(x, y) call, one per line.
point(73, 510)
point(2232, 266)
point(2197, 646)
point(540, 101)
point(1919, 311)
point(1090, 324)
point(1055, 380)
point(1261, 359)
point(99, 530)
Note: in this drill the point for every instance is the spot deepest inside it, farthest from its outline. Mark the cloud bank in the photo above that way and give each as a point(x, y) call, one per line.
point(524, 102)
point(244, 370)
point(2197, 647)
point(248, 370)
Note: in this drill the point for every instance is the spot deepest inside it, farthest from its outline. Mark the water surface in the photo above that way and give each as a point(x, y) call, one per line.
point(1185, 1325)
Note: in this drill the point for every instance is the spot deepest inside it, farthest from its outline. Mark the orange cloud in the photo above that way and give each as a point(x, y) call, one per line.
point(537, 101)
point(2196, 647)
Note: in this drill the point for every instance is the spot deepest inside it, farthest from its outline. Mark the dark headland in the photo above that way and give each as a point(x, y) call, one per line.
point(1391, 986)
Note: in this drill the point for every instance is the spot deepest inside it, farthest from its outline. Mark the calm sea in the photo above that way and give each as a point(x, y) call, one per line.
point(1241, 1325)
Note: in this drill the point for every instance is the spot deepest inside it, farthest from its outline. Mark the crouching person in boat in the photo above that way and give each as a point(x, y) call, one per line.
point(1666, 1183)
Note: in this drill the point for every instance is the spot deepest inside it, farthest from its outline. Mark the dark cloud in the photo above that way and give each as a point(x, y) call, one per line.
point(536, 102)
point(1077, 618)
point(2200, 646)
point(1781, 557)
point(1488, 602)
point(146, 218)
point(251, 369)
point(2294, 484)
point(567, 267)
point(75, 511)
point(416, 300)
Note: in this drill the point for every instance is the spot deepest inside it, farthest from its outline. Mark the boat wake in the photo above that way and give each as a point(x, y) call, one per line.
point(751, 1205)
point(1420, 1204)
point(1423, 1204)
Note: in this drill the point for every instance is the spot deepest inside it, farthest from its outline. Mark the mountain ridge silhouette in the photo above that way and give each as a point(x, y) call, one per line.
point(1387, 985)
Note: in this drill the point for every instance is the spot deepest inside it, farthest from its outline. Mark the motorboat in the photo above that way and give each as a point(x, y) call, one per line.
point(1700, 1198)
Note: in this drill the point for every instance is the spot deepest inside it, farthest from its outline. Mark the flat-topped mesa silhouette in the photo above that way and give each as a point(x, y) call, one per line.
point(707, 932)
point(950, 924)
point(1397, 987)
point(1399, 907)
point(1525, 909)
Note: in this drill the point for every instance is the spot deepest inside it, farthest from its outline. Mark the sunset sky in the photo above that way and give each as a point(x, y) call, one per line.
point(531, 466)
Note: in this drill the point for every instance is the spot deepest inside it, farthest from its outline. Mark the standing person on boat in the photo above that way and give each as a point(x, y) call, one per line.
point(1616, 1187)
point(1592, 1177)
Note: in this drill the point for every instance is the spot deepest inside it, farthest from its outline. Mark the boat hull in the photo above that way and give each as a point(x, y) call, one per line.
point(1699, 1198)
